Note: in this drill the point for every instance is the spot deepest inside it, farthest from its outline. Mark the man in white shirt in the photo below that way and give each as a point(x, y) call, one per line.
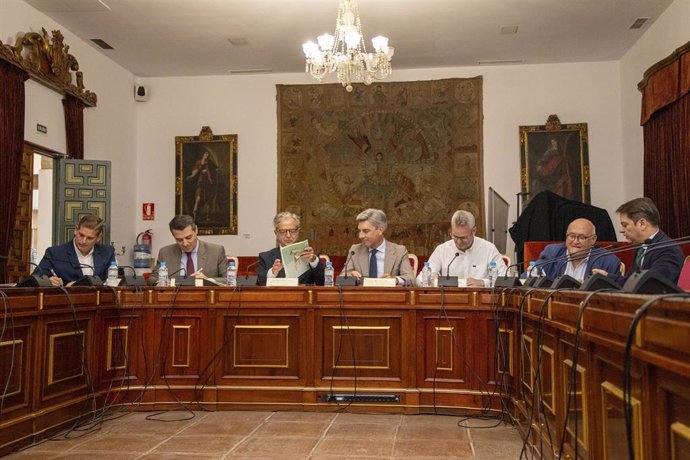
point(465, 255)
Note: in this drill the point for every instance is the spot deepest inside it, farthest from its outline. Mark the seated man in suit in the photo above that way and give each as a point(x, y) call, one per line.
point(376, 257)
point(583, 258)
point(465, 255)
point(84, 255)
point(286, 227)
point(640, 225)
point(189, 254)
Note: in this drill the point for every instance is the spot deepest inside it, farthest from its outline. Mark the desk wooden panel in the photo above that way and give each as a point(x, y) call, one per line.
point(283, 348)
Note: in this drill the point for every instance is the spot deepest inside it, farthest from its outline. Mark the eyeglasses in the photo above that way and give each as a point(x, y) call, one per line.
point(461, 238)
point(575, 236)
point(286, 231)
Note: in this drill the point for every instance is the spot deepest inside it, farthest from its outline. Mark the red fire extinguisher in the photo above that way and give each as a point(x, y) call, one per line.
point(147, 238)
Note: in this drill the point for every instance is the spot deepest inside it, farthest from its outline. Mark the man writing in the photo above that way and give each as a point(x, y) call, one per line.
point(286, 227)
point(189, 254)
point(576, 257)
point(465, 255)
point(82, 256)
point(376, 257)
point(640, 225)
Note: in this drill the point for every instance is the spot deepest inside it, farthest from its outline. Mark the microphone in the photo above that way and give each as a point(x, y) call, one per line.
point(31, 280)
point(449, 281)
point(130, 280)
point(182, 280)
point(248, 280)
point(87, 280)
point(597, 281)
point(345, 280)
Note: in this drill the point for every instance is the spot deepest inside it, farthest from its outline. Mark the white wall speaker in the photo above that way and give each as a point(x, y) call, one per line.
point(141, 93)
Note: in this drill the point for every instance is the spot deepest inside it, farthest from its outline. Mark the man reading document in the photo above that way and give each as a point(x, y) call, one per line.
point(289, 257)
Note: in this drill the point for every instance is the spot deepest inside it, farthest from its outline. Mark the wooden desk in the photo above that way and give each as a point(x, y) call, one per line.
point(285, 348)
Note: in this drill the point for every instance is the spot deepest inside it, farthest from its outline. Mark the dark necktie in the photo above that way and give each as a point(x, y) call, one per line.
point(373, 268)
point(190, 264)
point(639, 255)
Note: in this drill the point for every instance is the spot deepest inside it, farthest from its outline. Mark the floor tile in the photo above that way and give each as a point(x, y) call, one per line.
point(278, 448)
point(432, 448)
point(299, 429)
point(354, 447)
point(362, 430)
point(199, 444)
point(122, 443)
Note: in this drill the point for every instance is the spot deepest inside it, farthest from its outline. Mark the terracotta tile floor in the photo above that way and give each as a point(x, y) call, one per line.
point(283, 435)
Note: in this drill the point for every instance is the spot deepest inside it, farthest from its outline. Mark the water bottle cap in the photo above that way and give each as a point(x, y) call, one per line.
point(493, 264)
point(113, 262)
point(532, 263)
point(162, 264)
point(232, 263)
point(329, 263)
point(426, 264)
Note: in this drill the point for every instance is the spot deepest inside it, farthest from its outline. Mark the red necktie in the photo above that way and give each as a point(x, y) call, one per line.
point(190, 264)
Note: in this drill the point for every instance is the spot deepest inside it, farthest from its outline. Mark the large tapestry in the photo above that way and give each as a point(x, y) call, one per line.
point(413, 149)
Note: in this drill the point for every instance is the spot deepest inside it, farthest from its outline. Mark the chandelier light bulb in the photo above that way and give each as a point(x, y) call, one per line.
point(345, 54)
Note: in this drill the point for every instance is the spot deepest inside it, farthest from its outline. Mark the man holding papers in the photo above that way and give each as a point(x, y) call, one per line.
point(294, 257)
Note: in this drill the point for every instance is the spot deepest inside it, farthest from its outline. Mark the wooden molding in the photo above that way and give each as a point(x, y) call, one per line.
point(46, 59)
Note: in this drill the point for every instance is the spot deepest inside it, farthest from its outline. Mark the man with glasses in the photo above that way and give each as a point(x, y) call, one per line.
point(577, 257)
point(286, 227)
point(465, 255)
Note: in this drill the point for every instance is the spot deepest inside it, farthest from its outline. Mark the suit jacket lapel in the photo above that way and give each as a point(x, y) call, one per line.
point(201, 257)
point(389, 258)
point(72, 258)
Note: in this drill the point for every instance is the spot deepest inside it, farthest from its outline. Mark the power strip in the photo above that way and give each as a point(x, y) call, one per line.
point(330, 397)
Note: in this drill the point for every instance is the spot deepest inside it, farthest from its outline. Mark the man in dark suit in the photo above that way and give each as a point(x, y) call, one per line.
point(189, 254)
point(577, 257)
point(84, 255)
point(375, 256)
point(286, 226)
point(640, 225)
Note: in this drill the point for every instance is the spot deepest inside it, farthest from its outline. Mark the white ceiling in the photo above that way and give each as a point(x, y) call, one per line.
point(190, 37)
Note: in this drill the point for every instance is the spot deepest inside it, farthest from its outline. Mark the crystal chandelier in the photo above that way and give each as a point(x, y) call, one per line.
point(345, 54)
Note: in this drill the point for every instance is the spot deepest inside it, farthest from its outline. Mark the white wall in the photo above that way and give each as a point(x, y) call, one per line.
point(110, 128)
point(670, 31)
point(246, 106)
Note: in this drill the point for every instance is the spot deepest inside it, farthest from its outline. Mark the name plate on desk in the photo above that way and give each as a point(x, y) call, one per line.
point(380, 282)
point(282, 282)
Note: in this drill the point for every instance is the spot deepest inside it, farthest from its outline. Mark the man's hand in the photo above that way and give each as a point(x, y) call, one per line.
point(277, 267)
point(308, 254)
point(355, 274)
point(599, 271)
point(475, 282)
point(56, 280)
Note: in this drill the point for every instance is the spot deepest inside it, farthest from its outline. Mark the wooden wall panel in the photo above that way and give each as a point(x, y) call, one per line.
point(67, 349)
point(16, 353)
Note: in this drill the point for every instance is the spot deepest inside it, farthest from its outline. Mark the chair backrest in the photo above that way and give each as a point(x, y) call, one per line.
point(506, 260)
point(233, 259)
point(414, 260)
point(622, 268)
point(324, 258)
point(684, 278)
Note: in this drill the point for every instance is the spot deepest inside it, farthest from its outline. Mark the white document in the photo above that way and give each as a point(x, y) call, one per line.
point(380, 282)
point(293, 265)
point(282, 282)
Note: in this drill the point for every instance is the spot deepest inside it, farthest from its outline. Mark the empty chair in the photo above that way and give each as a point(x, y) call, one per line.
point(684, 278)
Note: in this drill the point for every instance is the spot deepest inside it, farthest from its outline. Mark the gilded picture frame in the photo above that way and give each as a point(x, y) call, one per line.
point(206, 181)
point(555, 157)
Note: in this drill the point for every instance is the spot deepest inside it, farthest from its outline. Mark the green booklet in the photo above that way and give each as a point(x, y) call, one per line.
point(293, 265)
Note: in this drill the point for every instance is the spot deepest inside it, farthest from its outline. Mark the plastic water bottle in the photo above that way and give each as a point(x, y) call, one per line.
point(426, 275)
point(163, 280)
point(532, 271)
point(329, 274)
point(493, 274)
point(231, 275)
point(112, 275)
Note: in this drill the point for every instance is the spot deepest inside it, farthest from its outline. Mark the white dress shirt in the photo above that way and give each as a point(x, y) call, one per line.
point(472, 263)
point(85, 261)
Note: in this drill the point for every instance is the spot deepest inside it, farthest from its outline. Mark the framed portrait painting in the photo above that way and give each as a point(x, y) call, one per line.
point(206, 181)
point(555, 157)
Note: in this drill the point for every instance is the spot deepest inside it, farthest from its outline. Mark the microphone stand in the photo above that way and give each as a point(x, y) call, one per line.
point(449, 281)
point(346, 280)
point(247, 279)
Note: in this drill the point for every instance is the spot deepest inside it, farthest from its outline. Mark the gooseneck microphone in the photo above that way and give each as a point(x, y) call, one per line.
point(31, 280)
point(133, 280)
point(457, 254)
point(247, 279)
point(346, 280)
